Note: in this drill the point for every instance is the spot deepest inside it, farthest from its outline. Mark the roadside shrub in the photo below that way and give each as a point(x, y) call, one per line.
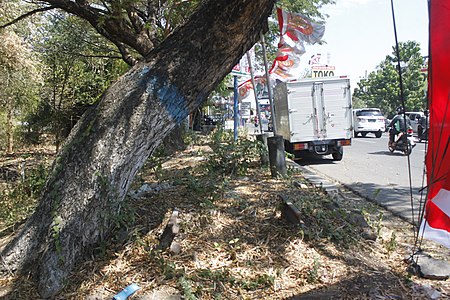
point(233, 157)
point(324, 220)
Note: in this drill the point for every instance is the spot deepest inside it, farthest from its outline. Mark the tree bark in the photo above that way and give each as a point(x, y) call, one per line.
point(95, 167)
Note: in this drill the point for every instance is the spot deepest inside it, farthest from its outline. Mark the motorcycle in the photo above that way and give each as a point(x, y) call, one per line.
point(403, 142)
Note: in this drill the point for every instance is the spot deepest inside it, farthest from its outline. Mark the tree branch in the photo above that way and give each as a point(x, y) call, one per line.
point(26, 15)
point(126, 55)
point(114, 28)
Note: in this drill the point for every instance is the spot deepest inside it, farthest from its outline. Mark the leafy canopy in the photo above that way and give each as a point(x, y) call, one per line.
point(78, 65)
point(382, 89)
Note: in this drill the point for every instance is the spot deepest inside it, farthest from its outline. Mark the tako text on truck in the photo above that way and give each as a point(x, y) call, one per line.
point(314, 115)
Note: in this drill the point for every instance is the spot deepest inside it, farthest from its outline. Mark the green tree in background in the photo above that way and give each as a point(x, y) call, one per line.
point(19, 79)
point(382, 89)
point(78, 65)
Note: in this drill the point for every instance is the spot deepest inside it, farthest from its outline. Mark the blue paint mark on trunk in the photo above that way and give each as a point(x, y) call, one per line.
point(144, 71)
point(169, 96)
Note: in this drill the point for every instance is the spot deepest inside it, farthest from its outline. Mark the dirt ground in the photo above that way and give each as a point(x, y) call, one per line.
point(234, 243)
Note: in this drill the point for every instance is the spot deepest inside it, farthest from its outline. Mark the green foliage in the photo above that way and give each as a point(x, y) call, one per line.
point(259, 282)
point(18, 201)
point(78, 66)
point(167, 267)
point(208, 188)
point(186, 287)
point(325, 220)
point(19, 80)
point(190, 137)
point(381, 89)
point(313, 272)
point(208, 277)
point(376, 224)
point(126, 217)
point(173, 14)
point(392, 244)
point(233, 157)
point(310, 8)
point(19, 72)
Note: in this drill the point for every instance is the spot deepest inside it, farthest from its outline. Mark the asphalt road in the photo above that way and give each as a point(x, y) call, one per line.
point(369, 169)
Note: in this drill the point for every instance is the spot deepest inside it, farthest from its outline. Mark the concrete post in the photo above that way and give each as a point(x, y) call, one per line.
point(276, 156)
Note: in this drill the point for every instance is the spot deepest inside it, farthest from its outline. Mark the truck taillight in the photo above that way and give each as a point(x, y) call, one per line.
point(344, 142)
point(300, 146)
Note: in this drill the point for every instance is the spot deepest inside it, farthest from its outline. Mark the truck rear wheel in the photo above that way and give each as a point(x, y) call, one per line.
point(338, 154)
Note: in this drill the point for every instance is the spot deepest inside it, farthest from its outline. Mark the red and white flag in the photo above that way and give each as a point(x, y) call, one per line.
point(436, 223)
point(246, 91)
point(287, 62)
point(295, 29)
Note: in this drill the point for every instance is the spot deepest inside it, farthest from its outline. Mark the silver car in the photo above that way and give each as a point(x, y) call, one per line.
point(368, 120)
point(414, 117)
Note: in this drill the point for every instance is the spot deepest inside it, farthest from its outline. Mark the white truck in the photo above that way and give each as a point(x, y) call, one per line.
point(314, 115)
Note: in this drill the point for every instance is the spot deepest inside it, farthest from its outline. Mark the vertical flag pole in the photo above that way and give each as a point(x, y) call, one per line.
point(258, 110)
point(235, 107)
point(275, 143)
point(262, 137)
point(269, 87)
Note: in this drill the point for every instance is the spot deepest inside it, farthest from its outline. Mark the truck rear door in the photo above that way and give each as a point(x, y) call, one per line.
point(337, 113)
point(302, 119)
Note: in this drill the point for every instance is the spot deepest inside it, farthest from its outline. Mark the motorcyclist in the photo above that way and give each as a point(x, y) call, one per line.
point(397, 125)
point(423, 126)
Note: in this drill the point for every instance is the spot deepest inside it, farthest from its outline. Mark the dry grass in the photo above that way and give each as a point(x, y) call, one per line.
point(235, 244)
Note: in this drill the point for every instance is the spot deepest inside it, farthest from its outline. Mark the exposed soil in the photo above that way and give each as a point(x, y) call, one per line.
point(233, 242)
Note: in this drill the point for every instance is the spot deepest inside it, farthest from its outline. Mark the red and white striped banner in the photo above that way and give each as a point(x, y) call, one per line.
point(436, 224)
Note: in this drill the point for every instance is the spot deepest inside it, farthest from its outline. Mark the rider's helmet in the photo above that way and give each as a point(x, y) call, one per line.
point(399, 110)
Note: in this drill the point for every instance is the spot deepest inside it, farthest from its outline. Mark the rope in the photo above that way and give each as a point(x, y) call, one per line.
point(402, 99)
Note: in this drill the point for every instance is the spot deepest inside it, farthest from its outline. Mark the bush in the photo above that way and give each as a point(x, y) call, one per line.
point(233, 157)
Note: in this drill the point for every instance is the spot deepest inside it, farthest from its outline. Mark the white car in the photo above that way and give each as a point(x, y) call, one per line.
point(414, 117)
point(368, 120)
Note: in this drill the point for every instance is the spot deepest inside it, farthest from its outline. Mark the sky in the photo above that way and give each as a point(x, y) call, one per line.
point(360, 33)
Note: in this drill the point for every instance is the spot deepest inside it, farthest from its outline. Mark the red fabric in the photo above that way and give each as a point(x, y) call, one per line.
point(437, 218)
point(281, 20)
point(438, 156)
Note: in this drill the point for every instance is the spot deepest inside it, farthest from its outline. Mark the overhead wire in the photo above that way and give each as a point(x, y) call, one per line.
point(402, 99)
point(403, 105)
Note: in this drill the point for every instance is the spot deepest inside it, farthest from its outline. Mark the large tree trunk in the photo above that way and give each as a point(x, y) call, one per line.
point(97, 164)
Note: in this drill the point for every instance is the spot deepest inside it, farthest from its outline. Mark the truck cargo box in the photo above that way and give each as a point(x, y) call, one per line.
point(314, 115)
